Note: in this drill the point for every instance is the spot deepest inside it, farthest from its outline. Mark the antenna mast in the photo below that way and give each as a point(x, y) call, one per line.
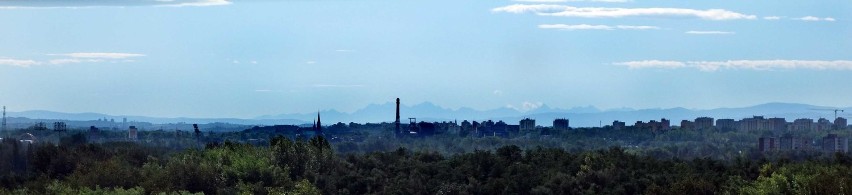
point(4, 121)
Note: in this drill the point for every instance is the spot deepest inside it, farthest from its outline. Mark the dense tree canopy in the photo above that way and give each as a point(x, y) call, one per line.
point(314, 167)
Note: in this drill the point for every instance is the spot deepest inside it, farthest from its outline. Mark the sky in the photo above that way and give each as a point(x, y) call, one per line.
point(242, 59)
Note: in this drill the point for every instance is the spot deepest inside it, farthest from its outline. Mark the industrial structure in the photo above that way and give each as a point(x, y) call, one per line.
point(396, 122)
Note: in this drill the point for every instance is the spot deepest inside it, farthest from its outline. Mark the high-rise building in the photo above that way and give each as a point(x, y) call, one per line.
point(687, 125)
point(803, 124)
point(726, 124)
point(527, 124)
point(833, 143)
point(132, 133)
point(755, 123)
point(840, 123)
point(824, 125)
point(703, 123)
point(790, 143)
point(618, 125)
point(560, 124)
point(665, 124)
point(766, 144)
point(777, 124)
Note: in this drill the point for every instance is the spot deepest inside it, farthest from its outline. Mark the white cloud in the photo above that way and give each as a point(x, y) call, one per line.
point(18, 63)
point(74, 61)
point(526, 106)
point(311, 62)
point(100, 55)
point(815, 19)
point(594, 27)
point(498, 92)
point(772, 17)
point(710, 66)
point(575, 27)
point(695, 32)
point(809, 18)
point(626, 27)
point(605, 12)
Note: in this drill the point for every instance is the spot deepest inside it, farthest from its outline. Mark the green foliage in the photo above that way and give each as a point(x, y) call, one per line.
point(312, 167)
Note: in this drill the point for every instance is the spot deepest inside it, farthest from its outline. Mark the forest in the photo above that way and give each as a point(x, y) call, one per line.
point(316, 166)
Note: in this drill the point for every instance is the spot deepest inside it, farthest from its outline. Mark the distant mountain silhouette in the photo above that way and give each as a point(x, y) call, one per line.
point(588, 116)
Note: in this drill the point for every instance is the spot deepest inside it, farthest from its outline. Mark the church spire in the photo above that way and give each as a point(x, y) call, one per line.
point(319, 123)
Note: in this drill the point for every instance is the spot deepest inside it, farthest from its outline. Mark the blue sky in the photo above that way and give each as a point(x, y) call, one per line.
point(217, 58)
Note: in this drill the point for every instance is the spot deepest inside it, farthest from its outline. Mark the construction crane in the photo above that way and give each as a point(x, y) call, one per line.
point(835, 111)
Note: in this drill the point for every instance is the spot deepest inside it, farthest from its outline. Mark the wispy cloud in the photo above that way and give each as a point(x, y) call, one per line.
point(815, 19)
point(100, 55)
point(772, 17)
point(75, 4)
point(606, 12)
point(72, 61)
point(73, 58)
point(652, 64)
point(696, 32)
point(18, 62)
point(595, 27)
point(710, 66)
point(336, 86)
point(310, 62)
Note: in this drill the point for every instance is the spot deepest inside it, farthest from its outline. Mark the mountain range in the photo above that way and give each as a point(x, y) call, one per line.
point(579, 116)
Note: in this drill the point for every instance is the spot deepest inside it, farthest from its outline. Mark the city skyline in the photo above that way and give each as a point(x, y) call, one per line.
point(217, 58)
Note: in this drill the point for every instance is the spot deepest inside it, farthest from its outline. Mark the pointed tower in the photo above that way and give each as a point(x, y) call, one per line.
point(319, 122)
point(318, 129)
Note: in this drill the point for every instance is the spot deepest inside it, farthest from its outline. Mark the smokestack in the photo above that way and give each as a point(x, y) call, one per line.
point(396, 123)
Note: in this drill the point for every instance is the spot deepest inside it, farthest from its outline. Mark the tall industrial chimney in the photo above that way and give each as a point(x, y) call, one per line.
point(396, 123)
